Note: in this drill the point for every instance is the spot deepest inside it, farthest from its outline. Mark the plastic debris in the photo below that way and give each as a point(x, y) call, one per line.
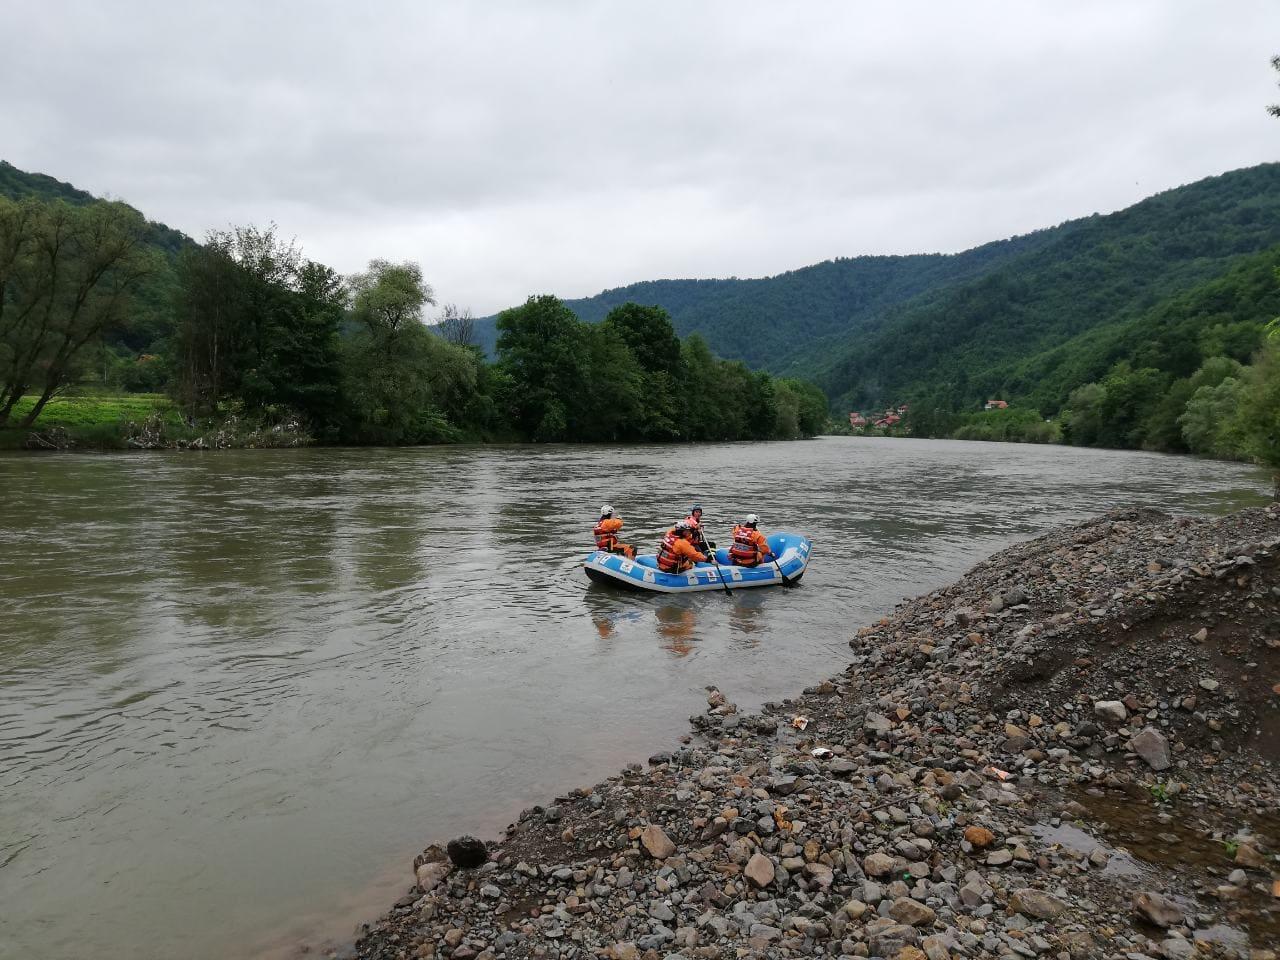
point(998, 773)
point(822, 753)
point(799, 722)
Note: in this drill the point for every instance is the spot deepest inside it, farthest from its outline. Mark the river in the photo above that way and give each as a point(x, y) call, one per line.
point(239, 690)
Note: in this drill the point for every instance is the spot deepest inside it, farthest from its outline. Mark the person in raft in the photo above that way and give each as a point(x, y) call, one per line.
point(606, 534)
point(677, 553)
point(750, 548)
point(694, 520)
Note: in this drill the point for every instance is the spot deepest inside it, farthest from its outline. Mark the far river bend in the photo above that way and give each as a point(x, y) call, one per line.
point(239, 690)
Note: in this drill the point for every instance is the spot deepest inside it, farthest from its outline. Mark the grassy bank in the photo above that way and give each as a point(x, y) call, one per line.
point(137, 421)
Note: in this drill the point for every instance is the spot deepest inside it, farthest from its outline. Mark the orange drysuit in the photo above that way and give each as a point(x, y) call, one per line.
point(749, 547)
point(677, 554)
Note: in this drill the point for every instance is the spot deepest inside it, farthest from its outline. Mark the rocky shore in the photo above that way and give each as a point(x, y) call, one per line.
point(1071, 752)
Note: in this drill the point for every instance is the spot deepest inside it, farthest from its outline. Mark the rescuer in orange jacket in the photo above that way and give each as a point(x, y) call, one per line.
point(750, 548)
point(677, 553)
point(694, 520)
point(606, 534)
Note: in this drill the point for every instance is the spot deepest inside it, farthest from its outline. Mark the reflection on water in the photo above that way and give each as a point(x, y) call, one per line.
point(677, 623)
point(240, 688)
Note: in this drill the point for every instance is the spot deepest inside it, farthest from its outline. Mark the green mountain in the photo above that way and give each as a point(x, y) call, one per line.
point(778, 323)
point(1006, 332)
point(999, 319)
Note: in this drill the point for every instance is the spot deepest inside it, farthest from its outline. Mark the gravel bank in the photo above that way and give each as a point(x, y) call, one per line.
point(1071, 752)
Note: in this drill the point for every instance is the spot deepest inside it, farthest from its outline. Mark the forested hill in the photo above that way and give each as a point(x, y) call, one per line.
point(875, 330)
point(777, 322)
point(984, 337)
point(19, 184)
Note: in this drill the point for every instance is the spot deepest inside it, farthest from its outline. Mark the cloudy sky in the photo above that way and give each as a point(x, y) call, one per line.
point(564, 147)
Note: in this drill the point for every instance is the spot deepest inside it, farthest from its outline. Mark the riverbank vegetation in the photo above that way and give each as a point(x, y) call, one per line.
point(1195, 373)
point(252, 344)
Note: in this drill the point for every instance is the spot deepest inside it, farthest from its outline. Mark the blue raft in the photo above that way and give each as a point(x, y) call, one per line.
point(642, 573)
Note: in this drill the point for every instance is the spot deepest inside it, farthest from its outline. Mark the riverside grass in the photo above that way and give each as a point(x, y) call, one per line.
point(148, 421)
point(96, 410)
point(95, 421)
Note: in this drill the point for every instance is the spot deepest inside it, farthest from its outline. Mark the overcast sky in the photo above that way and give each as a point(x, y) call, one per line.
point(522, 147)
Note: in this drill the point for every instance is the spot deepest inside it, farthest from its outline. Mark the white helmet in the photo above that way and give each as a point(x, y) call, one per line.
point(751, 520)
point(606, 509)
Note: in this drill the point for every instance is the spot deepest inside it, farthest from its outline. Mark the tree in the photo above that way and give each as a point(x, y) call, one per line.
point(298, 366)
point(457, 326)
point(1257, 416)
point(400, 380)
point(1274, 109)
point(1207, 424)
point(66, 275)
point(542, 347)
point(389, 297)
point(258, 324)
point(650, 338)
point(649, 334)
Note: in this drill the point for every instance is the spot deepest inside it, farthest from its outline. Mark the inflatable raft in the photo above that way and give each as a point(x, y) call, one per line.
point(642, 573)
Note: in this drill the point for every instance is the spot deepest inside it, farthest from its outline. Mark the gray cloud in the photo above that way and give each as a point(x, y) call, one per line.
point(518, 148)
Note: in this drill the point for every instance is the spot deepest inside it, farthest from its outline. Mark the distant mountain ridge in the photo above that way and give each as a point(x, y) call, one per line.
point(773, 322)
point(18, 184)
point(874, 330)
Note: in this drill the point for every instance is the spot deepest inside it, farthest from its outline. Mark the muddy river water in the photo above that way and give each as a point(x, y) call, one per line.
point(238, 691)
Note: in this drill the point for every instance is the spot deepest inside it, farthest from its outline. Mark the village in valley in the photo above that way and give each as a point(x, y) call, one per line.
point(893, 415)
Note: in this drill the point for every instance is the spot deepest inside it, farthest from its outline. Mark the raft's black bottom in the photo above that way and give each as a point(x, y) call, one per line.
point(597, 576)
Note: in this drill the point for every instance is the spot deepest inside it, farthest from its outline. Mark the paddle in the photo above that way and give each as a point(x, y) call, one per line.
point(786, 582)
point(710, 549)
point(711, 555)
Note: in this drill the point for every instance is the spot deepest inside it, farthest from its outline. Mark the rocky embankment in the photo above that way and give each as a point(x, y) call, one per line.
point(1071, 752)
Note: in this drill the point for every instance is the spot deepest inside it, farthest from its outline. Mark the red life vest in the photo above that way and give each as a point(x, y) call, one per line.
point(606, 540)
point(668, 562)
point(744, 552)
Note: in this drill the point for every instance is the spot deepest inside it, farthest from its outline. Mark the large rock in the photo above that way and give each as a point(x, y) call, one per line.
point(820, 874)
point(878, 865)
point(979, 837)
point(656, 842)
point(1157, 909)
point(430, 875)
point(1150, 744)
point(911, 912)
point(877, 724)
point(1112, 710)
point(467, 852)
point(1036, 903)
point(759, 870)
point(1247, 855)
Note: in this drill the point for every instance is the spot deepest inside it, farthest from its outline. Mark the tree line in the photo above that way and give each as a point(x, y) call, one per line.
point(258, 332)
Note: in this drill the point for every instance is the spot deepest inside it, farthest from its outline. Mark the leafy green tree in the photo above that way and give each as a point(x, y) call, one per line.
point(810, 407)
point(402, 383)
point(650, 338)
point(1132, 395)
point(542, 348)
point(1209, 420)
point(298, 366)
point(1083, 418)
point(1256, 421)
point(67, 275)
point(258, 324)
point(612, 403)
